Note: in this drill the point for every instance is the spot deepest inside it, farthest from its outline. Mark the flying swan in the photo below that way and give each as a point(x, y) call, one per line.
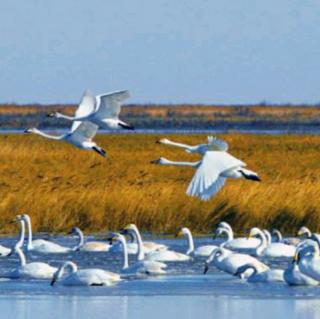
point(211, 172)
point(80, 135)
point(102, 110)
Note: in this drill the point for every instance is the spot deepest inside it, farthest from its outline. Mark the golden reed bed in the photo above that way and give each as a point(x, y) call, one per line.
point(61, 186)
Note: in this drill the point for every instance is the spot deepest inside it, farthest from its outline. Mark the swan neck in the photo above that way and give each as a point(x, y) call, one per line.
point(29, 242)
point(81, 239)
point(140, 245)
point(181, 145)
point(262, 245)
point(190, 242)
point(20, 241)
point(123, 242)
point(52, 137)
point(192, 164)
point(21, 256)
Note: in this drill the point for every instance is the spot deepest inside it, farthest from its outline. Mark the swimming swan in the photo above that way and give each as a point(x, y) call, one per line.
point(201, 251)
point(84, 277)
point(294, 277)
point(273, 249)
point(90, 246)
point(141, 266)
point(42, 245)
point(230, 262)
point(269, 275)
point(212, 171)
point(240, 244)
point(162, 255)
point(80, 135)
point(132, 248)
point(102, 110)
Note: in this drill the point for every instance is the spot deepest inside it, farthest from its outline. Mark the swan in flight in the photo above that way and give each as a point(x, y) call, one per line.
point(214, 144)
point(240, 244)
point(212, 171)
point(132, 248)
point(273, 249)
point(80, 135)
point(90, 246)
point(141, 266)
point(84, 277)
point(42, 245)
point(161, 255)
point(268, 275)
point(294, 277)
point(201, 251)
point(102, 110)
point(229, 262)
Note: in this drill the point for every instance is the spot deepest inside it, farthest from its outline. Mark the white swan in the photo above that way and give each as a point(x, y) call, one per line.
point(132, 248)
point(162, 255)
point(201, 251)
point(269, 275)
point(308, 259)
point(42, 245)
point(102, 110)
point(33, 270)
point(212, 171)
point(140, 267)
point(84, 277)
point(273, 249)
point(80, 135)
point(294, 277)
point(240, 244)
point(230, 262)
point(214, 144)
point(90, 246)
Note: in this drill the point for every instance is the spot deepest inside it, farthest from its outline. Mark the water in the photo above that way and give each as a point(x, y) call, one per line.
point(184, 292)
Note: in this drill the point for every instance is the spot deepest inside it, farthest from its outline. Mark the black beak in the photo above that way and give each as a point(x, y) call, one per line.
point(126, 126)
point(206, 268)
point(100, 151)
point(26, 131)
point(52, 282)
point(154, 161)
point(50, 114)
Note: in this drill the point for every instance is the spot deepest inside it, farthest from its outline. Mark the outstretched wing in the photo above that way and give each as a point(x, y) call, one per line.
point(86, 107)
point(109, 105)
point(85, 130)
point(215, 144)
point(207, 180)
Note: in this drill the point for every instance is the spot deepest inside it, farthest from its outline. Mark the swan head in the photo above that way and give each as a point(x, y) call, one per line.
point(183, 231)
point(160, 161)
point(224, 225)
point(250, 175)
point(242, 270)
point(163, 141)
point(304, 232)
point(29, 130)
point(53, 114)
point(75, 231)
point(59, 273)
point(255, 232)
point(221, 231)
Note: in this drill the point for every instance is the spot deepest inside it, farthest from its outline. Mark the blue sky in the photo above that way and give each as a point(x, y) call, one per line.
point(163, 51)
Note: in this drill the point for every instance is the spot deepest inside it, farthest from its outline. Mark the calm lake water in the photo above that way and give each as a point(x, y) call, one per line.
point(185, 292)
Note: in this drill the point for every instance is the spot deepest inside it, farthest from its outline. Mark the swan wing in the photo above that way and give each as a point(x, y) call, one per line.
point(85, 108)
point(86, 130)
point(109, 104)
point(215, 144)
point(207, 180)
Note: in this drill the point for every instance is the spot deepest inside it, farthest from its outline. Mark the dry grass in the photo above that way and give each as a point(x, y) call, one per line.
point(61, 186)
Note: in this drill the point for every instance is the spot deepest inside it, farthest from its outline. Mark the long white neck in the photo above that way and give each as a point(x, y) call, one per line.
point(20, 241)
point(268, 236)
point(278, 235)
point(140, 244)
point(123, 242)
point(181, 145)
point(29, 242)
point(21, 256)
point(70, 118)
point(168, 162)
point(81, 239)
point(263, 245)
point(190, 241)
point(229, 234)
point(52, 137)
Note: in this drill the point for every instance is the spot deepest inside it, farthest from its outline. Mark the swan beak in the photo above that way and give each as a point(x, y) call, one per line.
point(52, 282)
point(27, 130)
point(50, 114)
point(155, 161)
point(249, 236)
point(206, 268)
point(296, 258)
point(178, 234)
